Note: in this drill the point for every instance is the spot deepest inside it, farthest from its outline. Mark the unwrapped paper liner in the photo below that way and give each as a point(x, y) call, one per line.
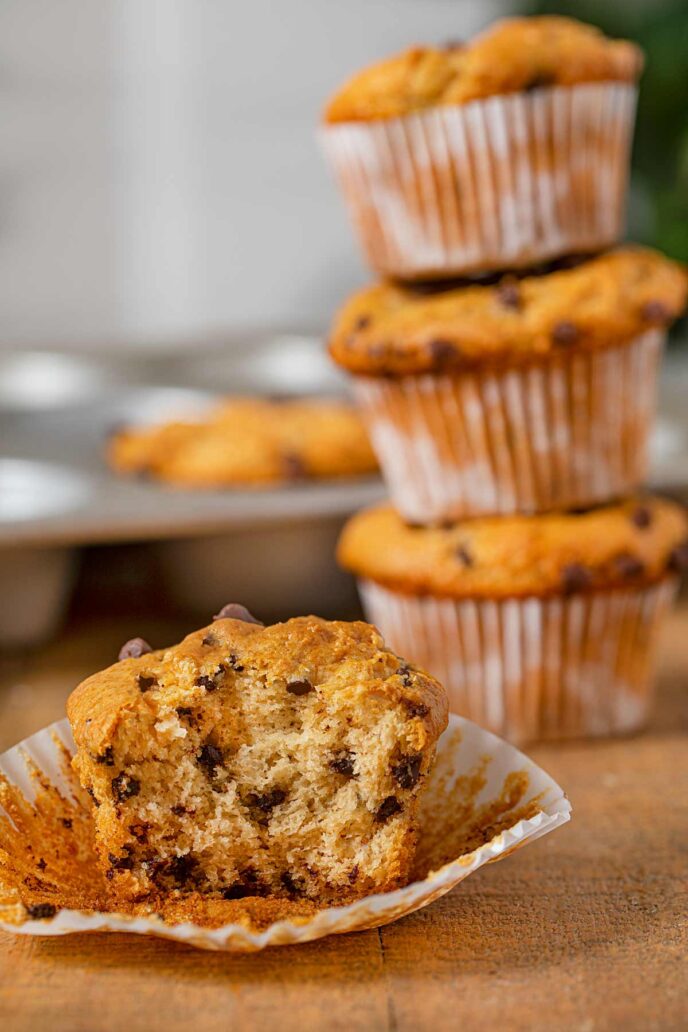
point(476, 774)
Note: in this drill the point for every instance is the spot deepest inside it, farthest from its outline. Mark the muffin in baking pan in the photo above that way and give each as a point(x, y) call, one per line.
point(284, 762)
point(538, 626)
point(520, 395)
point(496, 153)
point(248, 442)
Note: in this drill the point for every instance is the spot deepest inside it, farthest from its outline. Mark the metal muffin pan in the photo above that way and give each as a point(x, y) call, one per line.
point(272, 549)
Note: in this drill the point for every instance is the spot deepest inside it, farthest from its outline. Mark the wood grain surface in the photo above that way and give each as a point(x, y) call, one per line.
point(584, 930)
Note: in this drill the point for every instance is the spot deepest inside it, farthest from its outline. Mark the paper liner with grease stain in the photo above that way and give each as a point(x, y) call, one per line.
point(483, 800)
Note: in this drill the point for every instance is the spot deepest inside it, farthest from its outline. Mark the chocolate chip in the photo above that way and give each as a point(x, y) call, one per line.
point(441, 351)
point(655, 311)
point(406, 772)
point(178, 810)
point(120, 863)
point(233, 611)
point(134, 648)
point(67, 821)
point(387, 808)
point(574, 577)
point(210, 758)
point(184, 711)
point(678, 558)
point(300, 687)
point(249, 885)
point(234, 663)
point(211, 682)
point(181, 868)
point(538, 81)
point(145, 682)
point(106, 758)
point(292, 886)
point(266, 802)
point(353, 874)
point(362, 322)
point(564, 334)
point(508, 294)
point(641, 517)
point(343, 763)
point(464, 555)
point(124, 787)
point(140, 832)
point(416, 709)
point(92, 794)
point(209, 639)
point(41, 865)
point(41, 911)
point(628, 566)
point(293, 466)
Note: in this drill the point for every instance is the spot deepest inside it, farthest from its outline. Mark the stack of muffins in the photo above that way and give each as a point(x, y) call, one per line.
point(506, 367)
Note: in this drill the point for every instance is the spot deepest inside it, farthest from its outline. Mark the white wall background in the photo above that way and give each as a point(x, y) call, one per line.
point(159, 171)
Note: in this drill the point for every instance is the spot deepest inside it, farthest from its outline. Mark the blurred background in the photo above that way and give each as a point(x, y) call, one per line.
point(168, 229)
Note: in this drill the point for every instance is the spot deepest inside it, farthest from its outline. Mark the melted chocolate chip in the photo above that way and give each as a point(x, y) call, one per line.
point(41, 865)
point(67, 821)
point(464, 555)
point(210, 758)
point(655, 311)
point(140, 831)
point(41, 911)
point(300, 687)
point(441, 351)
point(406, 771)
point(387, 808)
point(416, 709)
point(211, 682)
point(293, 466)
point(234, 611)
point(145, 682)
point(353, 874)
point(181, 868)
point(343, 763)
point(124, 787)
point(574, 577)
point(249, 885)
point(120, 863)
point(184, 711)
point(628, 567)
point(641, 517)
point(234, 663)
point(678, 558)
point(267, 801)
point(564, 333)
point(178, 810)
point(404, 673)
point(106, 758)
point(92, 794)
point(292, 886)
point(209, 639)
point(362, 322)
point(539, 81)
point(508, 294)
point(134, 648)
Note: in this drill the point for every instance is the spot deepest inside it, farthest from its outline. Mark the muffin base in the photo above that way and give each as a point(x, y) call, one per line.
point(534, 668)
point(566, 432)
point(496, 183)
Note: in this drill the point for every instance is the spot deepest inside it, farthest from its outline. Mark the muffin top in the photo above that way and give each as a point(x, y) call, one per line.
point(635, 542)
point(248, 441)
point(512, 55)
point(305, 654)
point(390, 329)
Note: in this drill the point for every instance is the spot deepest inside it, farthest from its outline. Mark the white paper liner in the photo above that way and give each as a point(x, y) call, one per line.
point(534, 668)
point(567, 432)
point(495, 183)
point(463, 748)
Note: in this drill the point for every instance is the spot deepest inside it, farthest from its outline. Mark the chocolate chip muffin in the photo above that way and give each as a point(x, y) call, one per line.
point(248, 442)
point(521, 395)
point(283, 761)
point(539, 627)
point(498, 152)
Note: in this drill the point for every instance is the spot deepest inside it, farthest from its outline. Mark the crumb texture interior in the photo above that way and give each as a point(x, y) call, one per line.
point(285, 761)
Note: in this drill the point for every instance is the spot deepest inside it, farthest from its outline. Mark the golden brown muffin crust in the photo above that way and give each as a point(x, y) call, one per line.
point(635, 542)
point(600, 302)
point(248, 442)
point(512, 55)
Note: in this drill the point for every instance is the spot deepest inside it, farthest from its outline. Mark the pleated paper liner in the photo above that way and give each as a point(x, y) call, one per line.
point(566, 431)
point(496, 183)
point(534, 668)
point(483, 801)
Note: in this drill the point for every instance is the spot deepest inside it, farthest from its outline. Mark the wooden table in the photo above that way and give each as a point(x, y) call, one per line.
point(584, 930)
